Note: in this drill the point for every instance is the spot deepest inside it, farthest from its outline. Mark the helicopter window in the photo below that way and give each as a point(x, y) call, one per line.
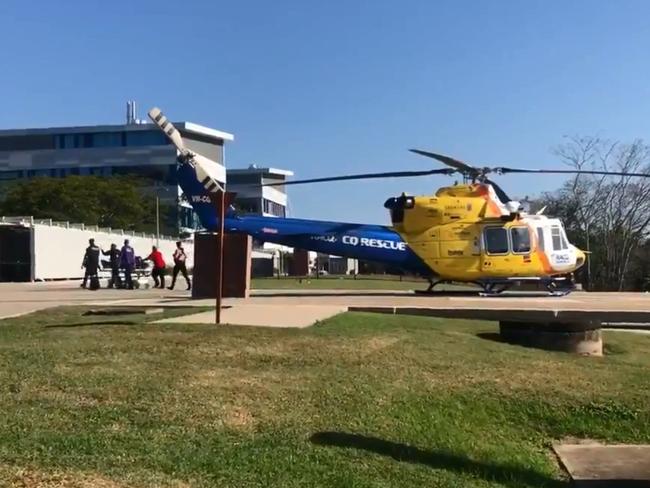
point(559, 241)
point(540, 238)
point(496, 240)
point(520, 240)
point(564, 243)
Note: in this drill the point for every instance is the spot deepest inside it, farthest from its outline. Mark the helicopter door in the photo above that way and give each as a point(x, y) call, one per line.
point(495, 258)
point(506, 251)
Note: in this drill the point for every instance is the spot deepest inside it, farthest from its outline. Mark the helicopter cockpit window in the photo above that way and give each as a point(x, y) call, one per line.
point(496, 240)
point(520, 240)
point(559, 241)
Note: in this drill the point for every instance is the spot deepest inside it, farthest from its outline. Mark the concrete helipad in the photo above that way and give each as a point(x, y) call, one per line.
point(296, 307)
point(607, 307)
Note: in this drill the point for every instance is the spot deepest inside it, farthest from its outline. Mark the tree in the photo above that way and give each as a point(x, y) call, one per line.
point(608, 216)
point(120, 202)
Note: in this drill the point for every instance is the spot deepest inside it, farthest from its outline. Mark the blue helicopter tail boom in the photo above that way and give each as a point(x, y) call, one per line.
point(361, 241)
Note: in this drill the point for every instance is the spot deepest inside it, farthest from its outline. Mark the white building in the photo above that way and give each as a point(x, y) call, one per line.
point(252, 198)
point(133, 148)
point(39, 250)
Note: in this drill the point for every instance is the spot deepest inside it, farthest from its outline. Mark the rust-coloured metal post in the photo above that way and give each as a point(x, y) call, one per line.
point(221, 213)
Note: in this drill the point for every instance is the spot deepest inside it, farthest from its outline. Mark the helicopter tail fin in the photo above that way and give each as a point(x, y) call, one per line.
point(204, 203)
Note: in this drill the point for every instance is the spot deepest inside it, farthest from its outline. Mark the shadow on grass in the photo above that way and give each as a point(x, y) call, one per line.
point(491, 336)
point(509, 475)
point(88, 324)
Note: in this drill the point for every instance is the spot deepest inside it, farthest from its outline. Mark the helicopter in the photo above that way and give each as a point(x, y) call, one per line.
point(465, 233)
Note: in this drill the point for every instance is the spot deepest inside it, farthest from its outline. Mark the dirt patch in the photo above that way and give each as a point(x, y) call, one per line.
point(13, 477)
point(28, 478)
point(376, 344)
point(238, 418)
point(56, 395)
point(536, 375)
point(224, 378)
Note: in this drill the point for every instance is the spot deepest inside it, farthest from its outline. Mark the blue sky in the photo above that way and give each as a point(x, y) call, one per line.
point(341, 86)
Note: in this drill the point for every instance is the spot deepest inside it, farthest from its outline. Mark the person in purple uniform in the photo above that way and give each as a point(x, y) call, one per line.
point(127, 262)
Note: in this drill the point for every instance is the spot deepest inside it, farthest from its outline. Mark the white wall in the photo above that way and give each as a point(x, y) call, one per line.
point(58, 251)
point(274, 195)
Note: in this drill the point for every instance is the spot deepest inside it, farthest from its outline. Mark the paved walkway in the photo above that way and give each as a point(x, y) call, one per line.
point(297, 316)
point(597, 465)
point(22, 298)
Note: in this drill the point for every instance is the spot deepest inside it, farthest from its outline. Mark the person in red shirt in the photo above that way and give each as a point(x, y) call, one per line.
point(156, 258)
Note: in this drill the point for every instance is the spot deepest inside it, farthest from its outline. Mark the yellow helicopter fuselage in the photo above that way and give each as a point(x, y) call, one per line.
point(465, 233)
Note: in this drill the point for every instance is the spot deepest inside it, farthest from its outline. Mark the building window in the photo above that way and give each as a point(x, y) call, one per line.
point(71, 141)
point(520, 240)
point(274, 208)
point(98, 171)
point(26, 143)
point(243, 179)
point(186, 218)
point(106, 139)
point(248, 205)
point(496, 240)
point(146, 138)
point(10, 175)
point(40, 173)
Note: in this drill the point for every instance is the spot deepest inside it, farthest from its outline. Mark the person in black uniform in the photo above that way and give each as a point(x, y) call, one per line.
point(114, 256)
point(90, 262)
point(179, 266)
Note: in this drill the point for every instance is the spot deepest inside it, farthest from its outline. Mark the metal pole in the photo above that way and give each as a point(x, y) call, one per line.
point(157, 220)
point(220, 255)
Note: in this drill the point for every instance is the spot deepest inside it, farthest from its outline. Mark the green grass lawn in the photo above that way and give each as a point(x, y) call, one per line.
point(334, 283)
point(359, 400)
point(377, 282)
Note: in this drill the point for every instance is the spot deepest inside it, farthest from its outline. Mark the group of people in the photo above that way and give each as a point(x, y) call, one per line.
point(125, 259)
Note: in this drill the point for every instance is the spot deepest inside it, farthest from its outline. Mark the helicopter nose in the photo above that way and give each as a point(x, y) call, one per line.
point(580, 258)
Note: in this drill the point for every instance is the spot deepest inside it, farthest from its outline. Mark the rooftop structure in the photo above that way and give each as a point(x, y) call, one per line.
point(255, 199)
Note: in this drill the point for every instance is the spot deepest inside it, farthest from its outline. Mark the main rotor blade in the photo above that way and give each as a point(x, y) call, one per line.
point(570, 171)
point(454, 163)
point(365, 176)
point(158, 118)
point(200, 163)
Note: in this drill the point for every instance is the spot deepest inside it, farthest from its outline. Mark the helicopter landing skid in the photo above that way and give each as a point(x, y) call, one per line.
point(560, 288)
point(488, 289)
point(494, 289)
point(556, 287)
